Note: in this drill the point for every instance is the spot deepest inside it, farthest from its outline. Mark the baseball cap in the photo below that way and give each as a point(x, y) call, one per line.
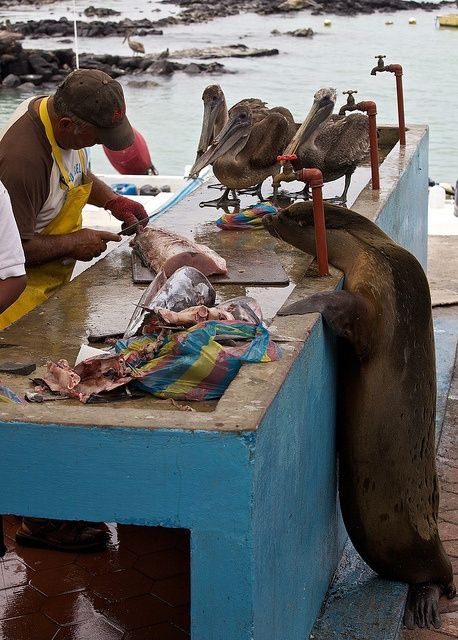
point(93, 96)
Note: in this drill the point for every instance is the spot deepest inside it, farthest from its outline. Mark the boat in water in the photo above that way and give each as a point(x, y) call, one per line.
point(450, 20)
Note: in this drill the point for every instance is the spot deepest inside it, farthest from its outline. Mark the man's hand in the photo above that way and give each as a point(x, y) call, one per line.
point(88, 243)
point(129, 211)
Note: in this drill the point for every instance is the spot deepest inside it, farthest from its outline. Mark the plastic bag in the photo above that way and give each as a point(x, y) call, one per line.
point(192, 365)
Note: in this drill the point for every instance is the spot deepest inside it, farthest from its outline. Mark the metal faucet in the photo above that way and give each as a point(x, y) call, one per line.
point(350, 104)
point(380, 65)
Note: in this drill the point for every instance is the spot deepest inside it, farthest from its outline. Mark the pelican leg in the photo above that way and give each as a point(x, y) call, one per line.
point(296, 195)
point(216, 185)
point(342, 199)
point(222, 201)
point(253, 191)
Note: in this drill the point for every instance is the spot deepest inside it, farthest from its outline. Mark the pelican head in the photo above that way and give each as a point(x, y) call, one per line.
point(323, 104)
point(215, 116)
point(232, 138)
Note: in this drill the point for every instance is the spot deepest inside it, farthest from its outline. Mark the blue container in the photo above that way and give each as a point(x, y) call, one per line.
point(125, 189)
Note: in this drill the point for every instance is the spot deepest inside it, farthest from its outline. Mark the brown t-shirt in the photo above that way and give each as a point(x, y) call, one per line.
point(29, 172)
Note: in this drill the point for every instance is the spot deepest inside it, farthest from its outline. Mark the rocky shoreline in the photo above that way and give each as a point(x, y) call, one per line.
point(19, 67)
point(195, 11)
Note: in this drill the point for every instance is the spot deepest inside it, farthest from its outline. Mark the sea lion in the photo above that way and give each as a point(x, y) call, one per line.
point(386, 402)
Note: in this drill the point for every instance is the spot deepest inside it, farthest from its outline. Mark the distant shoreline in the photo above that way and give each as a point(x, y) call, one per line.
point(198, 12)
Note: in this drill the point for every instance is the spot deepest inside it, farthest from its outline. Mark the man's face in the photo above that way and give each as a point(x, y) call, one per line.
point(74, 134)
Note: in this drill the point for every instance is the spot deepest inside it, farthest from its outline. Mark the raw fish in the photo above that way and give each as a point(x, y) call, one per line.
point(161, 250)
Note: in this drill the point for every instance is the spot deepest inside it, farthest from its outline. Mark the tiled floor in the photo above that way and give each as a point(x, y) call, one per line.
point(448, 515)
point(138, 589)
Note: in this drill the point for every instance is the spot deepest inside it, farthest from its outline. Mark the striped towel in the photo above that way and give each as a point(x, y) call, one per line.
point(192, 365)
point(249, 218)
point(8, 395)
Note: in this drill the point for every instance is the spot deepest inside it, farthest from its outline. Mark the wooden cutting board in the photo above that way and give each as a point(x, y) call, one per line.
point(263, 268)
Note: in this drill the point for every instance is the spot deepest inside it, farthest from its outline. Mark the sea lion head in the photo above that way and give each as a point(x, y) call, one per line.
point(293, 225)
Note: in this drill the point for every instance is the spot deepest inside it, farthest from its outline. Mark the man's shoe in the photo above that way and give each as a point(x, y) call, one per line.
point(61, 535)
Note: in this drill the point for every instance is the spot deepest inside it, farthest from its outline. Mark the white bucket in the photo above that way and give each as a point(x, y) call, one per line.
point(436, 196)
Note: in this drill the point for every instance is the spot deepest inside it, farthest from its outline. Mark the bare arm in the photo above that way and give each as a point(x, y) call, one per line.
point(100, 192)
point(84, 244)
point(10, 290)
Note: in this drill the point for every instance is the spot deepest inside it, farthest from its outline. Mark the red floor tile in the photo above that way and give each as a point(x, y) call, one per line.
point(49, 595)
point(70, 608)
point(163, 564)
point(175, 591)
point(97, 629)
point(121, 585)
point(138, 612)
point(54, 582)
point(28, 627)
point(158, 632)
point(113, 559)
point(14, 573)
point(20, 601)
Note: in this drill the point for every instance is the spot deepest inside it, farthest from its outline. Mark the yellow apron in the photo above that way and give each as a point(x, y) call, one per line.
point(45, 278)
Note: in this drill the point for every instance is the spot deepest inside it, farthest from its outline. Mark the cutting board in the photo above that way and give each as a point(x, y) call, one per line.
point(262, 268)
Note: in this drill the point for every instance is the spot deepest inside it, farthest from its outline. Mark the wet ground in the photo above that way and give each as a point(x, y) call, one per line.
point(138, 589)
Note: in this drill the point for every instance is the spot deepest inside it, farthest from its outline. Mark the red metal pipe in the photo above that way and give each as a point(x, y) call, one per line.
point(397, 70)
point(315, 179)
point(369, 107)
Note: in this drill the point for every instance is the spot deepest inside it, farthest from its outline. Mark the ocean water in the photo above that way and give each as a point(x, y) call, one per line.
point(169, 115)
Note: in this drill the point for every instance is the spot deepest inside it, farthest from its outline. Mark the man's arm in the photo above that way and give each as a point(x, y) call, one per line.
point(84, 244)
point(101, 193)
point(131, 213)
point(10, 290)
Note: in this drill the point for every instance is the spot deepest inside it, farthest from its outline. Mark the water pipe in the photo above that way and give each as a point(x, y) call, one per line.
point(369, 107)
point(397, 70)
point(314, 178)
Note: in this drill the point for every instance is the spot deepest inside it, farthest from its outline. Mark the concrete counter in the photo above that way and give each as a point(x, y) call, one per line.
point(252, 475)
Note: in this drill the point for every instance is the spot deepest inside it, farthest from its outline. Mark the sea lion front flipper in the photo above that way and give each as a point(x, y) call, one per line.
point(422, 606)
point(348, 314)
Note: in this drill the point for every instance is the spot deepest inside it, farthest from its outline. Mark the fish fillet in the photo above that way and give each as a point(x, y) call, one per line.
point(163, 250)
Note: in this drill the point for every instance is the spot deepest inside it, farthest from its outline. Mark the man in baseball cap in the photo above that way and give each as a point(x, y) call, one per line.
point(44, 167)
point(98, 100)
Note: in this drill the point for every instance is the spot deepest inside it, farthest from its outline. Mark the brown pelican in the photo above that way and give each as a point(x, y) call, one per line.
point(332, 143)
point(137, 47)
point(245, 151)
point(214, 119)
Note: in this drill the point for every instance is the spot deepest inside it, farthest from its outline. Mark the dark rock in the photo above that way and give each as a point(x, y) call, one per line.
point(301, 33)
point(11, 80)
point(161, 68)
point(192, 68)
point(42, 67)
point(100, 12)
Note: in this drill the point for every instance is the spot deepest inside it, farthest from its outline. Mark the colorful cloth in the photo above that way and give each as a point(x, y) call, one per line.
point(192, 365)
point(249, 218)
point(8, 395)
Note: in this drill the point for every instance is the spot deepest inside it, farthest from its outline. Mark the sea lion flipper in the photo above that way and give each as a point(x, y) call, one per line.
point(345, 313)
point(422, 606)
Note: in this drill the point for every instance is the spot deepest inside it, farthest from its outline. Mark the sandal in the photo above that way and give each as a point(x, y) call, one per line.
point(61, 535)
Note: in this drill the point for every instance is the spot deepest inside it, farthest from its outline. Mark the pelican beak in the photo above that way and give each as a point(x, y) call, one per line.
point(317, 114)
point(208, 124)
point(234, 134)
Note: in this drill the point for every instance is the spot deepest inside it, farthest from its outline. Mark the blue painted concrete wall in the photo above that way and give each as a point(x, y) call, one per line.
point(405, 214)
point(192, 479)
point(297, 528)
